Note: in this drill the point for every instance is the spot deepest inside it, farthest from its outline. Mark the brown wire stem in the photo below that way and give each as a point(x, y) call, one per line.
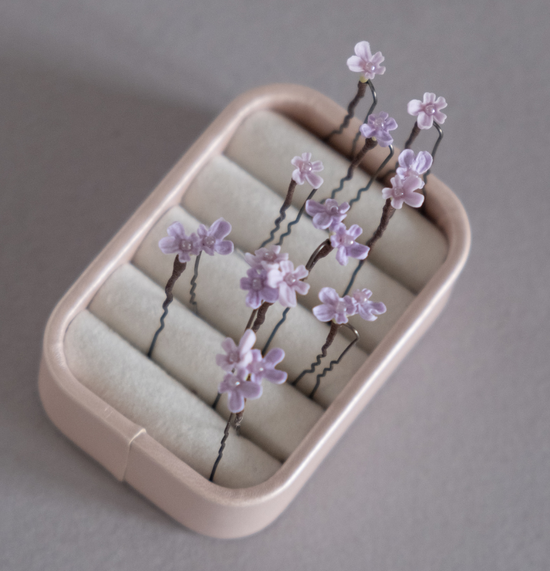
point(282, 213)
point(334, 327)
point(322, 251)
point(369, 144)
point(414, 133)
point(260, 318)
point(177, 270)
point(239, 417)
point(251, 319)
point(387, 212)
point(361, 90)
point(222, 447)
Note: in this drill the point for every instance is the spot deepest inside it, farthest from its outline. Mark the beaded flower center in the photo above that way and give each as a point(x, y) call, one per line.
point(209, 241)
point(257, 284)
point(429, 109)
point(370, 67)
point(333, 210)
point(361, 297)
point(306, 167)
point(269, 256)
point(340, 307)
point(291, 279)
point(186, 245)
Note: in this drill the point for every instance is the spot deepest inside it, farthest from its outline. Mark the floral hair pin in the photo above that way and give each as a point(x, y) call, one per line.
point(306, 171)
point(211, 241)
point(245, 368)
point(368, 65)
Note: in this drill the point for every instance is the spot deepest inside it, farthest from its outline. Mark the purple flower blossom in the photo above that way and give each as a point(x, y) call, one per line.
point(305, 170)
point(364, 62)
point(237, 356)
point(239, 389)
point(265, 257)
point(378, 126)
point(334, 307)
point(411, 166)
point(213, 240)
point(368, 310)
point(258, 288)
point(326, 215)
point(402, 190)
point(427, 110)
point(264, 368)
point(177, 242)
point(344, 240)
point(287, 280)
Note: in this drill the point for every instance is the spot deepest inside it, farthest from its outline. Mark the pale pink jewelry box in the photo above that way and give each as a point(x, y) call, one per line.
point(126, 449)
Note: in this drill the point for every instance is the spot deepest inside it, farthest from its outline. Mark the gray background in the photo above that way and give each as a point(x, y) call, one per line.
point(449, 467)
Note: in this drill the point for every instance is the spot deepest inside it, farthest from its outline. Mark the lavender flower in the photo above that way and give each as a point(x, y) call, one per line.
point(334, 307)
point(264, 368)
point(402, 191)
point(265, 257)
point(427, 110)
point(237, 357)
point(368, 310)
point(344, 240)
point(258, 288)
point(364, 62)
point(411, 166)
point(378, 126)
point(305, 170)
point(326, 215)
point(177, 242)
point(212, 240)
point(288, 281)
point(239, 389)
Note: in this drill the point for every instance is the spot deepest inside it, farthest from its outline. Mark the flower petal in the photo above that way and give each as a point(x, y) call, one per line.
point(314, 179)
point(235, 402)
point(406, 158)
point(313, 207)
point(224, 247)
point(355, 231)
point(220, 229)
point(329, 296)
point(287, 296)
point(357, 251)
point(323, 312)
point(354, 63)
point(250, 390)
point(423, 162)
point(176, 230)
point(425, 121)
point(298, 177)
point(362, 49)
point(274, 356)
point(415, 199)
point(429, 98)
point(414, 107)
point(440, 117)
point(168, 245)
point(247, 341)
point(341, 256)
point(274, 376)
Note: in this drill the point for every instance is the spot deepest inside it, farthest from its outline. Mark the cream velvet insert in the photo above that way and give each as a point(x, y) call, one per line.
point(130, 304)
point(412, 248)
point(172, 415)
